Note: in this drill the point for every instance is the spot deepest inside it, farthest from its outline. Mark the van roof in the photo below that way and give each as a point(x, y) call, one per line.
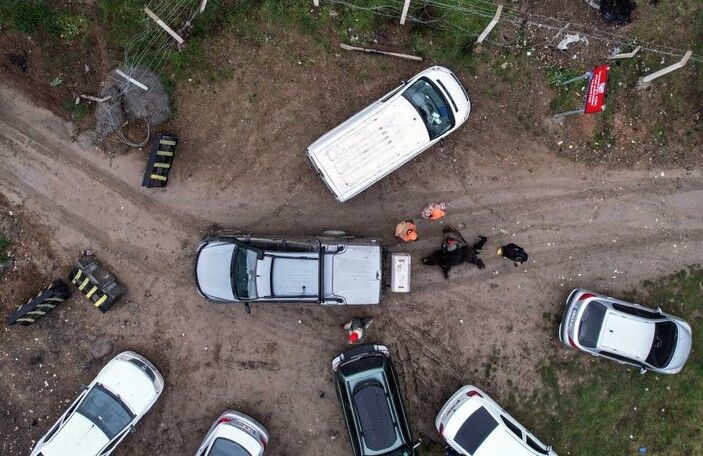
point(382, 142)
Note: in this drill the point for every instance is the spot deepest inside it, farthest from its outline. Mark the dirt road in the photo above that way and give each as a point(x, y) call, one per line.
point(582, 227)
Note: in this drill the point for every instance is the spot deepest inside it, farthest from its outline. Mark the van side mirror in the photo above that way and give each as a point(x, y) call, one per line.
point(659, 310)
point(84, 387)
point(643, 370)
point(403, 81)
point(417, 443)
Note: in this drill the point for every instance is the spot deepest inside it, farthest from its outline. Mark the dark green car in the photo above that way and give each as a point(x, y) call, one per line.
point(368, 390)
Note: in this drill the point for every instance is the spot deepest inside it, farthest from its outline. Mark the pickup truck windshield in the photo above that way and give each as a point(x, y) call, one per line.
point(244, 273)
point(433, 108)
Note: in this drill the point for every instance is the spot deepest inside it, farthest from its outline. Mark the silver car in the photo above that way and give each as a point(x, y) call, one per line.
point(625, 332)
point(234, 434)
point(329, 269)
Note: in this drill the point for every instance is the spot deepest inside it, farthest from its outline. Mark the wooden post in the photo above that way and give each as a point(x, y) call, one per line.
point(403, 15)
point(491, 24)
point(163, 25)
point(645, 80)
point(347, 47)
point(625, 55)
point(132, 80)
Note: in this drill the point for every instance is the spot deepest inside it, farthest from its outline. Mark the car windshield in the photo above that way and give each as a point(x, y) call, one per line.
point(106, 411)
point(429, 102)
point(590, 325)
point(244, 273)
point(664, 344)
point(224, 447)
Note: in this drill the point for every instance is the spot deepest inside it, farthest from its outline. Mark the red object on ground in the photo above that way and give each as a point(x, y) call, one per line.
point(597, 83)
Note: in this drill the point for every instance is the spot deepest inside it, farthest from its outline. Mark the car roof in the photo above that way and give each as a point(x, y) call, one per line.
point(77, 437)
point(481, 416)
point(626, 335)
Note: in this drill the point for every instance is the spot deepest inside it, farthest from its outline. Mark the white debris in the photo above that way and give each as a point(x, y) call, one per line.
point(570, 39)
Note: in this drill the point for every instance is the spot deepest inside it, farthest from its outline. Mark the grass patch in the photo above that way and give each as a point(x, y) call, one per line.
point(613, 410)
point(567, 97)
point(78, 111)
point(5, 243)
point(29, 16)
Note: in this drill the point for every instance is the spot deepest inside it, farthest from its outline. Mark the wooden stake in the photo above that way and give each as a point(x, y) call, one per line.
point(132, 80)
point(163, 25)
point(650, 77)
point(490, 26)
point(625, 55)
point(403, 15)
point(376, 51)
point(96, 99)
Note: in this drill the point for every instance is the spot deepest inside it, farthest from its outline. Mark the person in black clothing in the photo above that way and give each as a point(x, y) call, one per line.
point(455, 251)
point(513, 252)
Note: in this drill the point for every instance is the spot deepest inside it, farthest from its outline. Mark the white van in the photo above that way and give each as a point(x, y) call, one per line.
point(390, 132)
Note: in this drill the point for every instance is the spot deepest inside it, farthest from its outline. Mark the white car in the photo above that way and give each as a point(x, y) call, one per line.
point(106, 411)
point(474, 425)
point(625, 332)
point(234, 434)
point(390, 132)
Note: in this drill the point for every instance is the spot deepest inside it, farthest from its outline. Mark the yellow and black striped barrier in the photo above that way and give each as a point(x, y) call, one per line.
point(160, 160)
point(38, 306)
point(96, 283)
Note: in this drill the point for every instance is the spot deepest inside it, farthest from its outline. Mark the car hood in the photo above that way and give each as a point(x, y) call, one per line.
point(130, 383)
point(354, 274)
point(212, 270)
point(683, 348)
point(78, 437)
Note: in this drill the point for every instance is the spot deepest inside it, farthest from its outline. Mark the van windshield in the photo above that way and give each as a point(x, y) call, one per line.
point(432, 106)
point(244, 273)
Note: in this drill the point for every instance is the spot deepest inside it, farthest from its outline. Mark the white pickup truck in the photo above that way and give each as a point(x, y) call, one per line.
point(390, 132)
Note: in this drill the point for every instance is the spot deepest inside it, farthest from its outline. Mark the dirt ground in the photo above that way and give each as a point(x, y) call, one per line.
point(240, 163)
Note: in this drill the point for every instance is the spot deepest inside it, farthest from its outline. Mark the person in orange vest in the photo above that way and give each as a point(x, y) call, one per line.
point(356, 329)
point(406, 230)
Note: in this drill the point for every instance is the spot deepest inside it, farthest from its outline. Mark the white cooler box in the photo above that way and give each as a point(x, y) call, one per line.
point(400, 272)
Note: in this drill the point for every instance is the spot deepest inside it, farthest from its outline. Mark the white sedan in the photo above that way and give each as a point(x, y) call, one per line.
point(106, 411)
point(475, 425)
point(234, 434)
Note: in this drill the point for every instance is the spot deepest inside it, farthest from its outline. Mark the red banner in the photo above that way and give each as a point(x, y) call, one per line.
point(595, 99)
